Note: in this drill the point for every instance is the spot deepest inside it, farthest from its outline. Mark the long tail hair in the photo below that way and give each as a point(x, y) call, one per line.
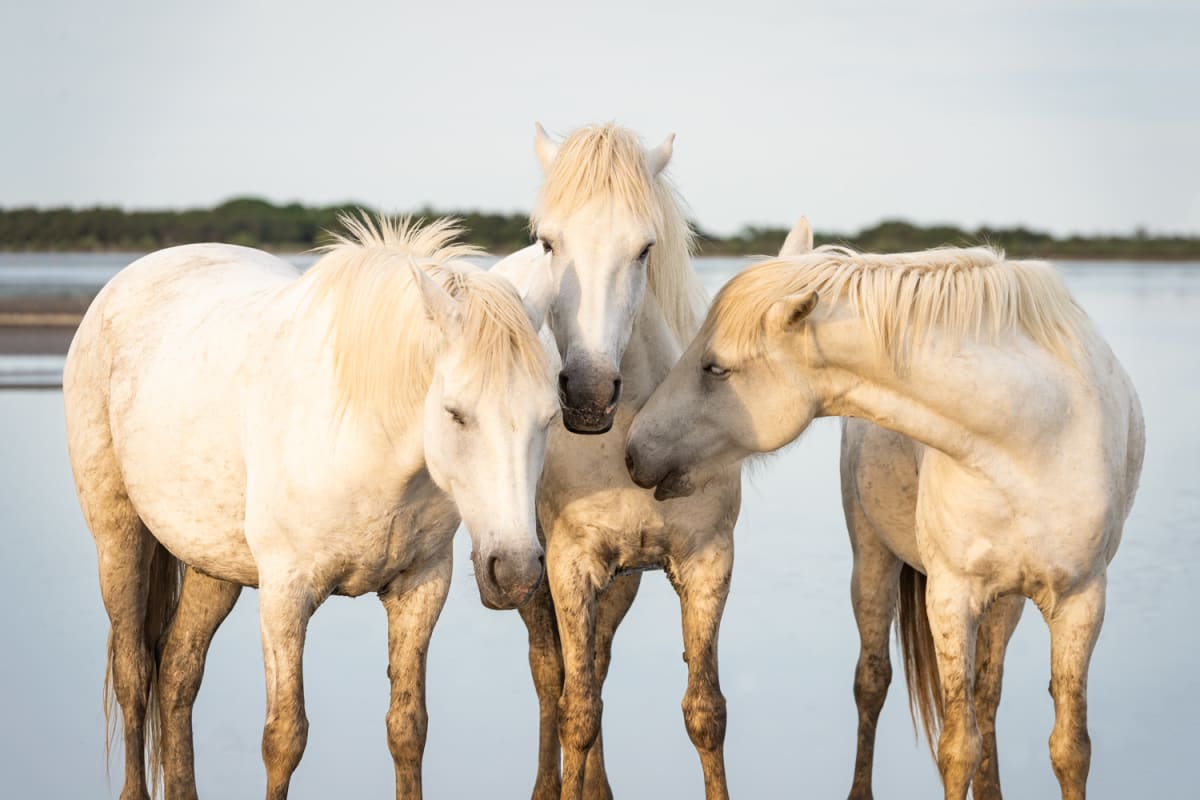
point(162, 598)
point(920, 658)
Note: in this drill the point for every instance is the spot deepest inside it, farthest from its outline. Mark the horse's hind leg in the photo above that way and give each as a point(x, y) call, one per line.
point(204, 603)
point(125, 549)
point(701, 579)
point(873, 587)
point(1074, 627)
point(995, 630)
point(613, 605)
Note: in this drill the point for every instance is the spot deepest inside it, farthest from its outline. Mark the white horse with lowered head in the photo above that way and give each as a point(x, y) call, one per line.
point(624, 304)
point(309, 435)
point(1002, 462)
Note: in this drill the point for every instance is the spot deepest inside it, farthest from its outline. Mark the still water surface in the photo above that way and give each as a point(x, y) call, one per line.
point(788, 643)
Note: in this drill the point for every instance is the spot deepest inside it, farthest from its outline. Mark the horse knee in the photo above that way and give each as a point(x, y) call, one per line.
point(579, 719)
point(1070, 754)
point(704, 715)
point(407, 725)
point(284, 739)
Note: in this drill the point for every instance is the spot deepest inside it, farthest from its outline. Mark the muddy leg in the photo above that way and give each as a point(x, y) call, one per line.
point(954, 621)
point(574, 577)
point(614, 603)
point(995, 630)
point(124, 548)
point(412, 612)
point(873, 594)
point(284, 610)
point(702, 581)
point(1074, 627)
point(204, 603)
point(546, 667)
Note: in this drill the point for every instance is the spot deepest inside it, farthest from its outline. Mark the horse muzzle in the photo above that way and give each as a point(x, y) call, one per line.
point(508, 579)
point(666, 482)
point(588, 401)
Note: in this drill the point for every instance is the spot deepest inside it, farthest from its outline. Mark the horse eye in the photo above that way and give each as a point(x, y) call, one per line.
point(716, 371)
point(546, 246)
point(457, 416)
point(645, 252)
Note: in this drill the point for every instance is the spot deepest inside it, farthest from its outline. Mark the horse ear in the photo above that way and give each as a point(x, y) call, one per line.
point(529, 271)
point(799, 241)
point(786, 313)
point(440, 307)
point(545, 147)
point(656, 159)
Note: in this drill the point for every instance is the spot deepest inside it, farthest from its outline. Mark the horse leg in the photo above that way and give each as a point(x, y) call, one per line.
point(873, 585)
point(701, 579)
point(954, 621)
point(545, 664)
point(1074, 623)
point(995, 630)
point(412, 612)
point(613, 604)
point(124, 548)
point(574, 576)
point(204, 603)
point(284, 611)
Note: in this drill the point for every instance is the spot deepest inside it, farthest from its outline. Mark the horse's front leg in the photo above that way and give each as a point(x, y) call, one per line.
point(1074, 622)
point(575, 574)
point(546, 667)
point(285, 606)
point(413, 607)
point(204, 603)
point(995, 630)
point(953, 607)
point(701, 577)
point(611, 609)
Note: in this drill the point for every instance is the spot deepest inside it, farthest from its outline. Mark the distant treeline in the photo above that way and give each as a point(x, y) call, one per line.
point(258, 223)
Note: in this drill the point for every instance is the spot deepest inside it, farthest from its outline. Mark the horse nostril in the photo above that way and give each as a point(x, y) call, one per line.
point(562, 383)
point(629, 465)
point(616, 395)
point(491, 570)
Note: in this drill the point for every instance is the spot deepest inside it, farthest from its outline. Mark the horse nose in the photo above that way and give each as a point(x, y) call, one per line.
point(514, 576)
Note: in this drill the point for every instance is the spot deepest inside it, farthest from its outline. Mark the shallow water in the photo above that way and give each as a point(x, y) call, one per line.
point(788, 641)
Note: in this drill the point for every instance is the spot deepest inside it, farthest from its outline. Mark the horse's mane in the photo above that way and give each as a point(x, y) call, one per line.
point(608, 161)
point(972, 292)
point(384, 344)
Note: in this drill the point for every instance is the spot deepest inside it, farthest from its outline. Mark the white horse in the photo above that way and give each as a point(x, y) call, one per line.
point(1003, 460)
point(309, 435)
point(625, 303)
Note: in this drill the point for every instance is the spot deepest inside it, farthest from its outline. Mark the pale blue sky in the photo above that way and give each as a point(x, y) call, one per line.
point(1070, 116)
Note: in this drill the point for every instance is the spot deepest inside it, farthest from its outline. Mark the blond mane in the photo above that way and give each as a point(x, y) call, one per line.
point(971, 292)
point(384, 344)
point(600, 161)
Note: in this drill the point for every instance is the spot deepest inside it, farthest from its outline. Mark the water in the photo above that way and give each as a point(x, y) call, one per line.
point(788, 642)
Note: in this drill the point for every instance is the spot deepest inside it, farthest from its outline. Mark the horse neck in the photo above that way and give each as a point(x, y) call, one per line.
point(976, 403)
point(650, 354)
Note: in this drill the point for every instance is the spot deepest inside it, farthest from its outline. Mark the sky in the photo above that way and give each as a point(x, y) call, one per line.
point(1063, 116)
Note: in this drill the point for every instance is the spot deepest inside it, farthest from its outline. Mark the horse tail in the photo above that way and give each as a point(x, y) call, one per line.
point(920, 658)
point(162, 597)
